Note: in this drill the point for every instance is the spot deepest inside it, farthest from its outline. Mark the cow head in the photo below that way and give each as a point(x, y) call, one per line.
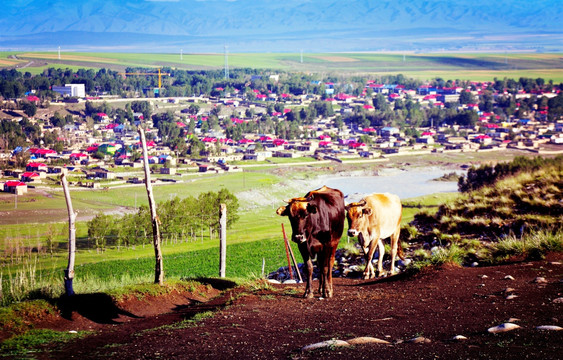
point(298, 211)
point(358, 219)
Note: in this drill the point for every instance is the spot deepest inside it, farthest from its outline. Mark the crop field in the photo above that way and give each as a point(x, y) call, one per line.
point(463, 66)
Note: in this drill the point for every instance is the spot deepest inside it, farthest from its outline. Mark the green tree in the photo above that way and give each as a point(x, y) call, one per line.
point(100, 229)
point(29, 108)
point(465, 97)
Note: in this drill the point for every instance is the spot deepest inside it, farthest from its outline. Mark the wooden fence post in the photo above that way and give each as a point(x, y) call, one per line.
point(293, 257)
point(223, 239)
point(159, 268)
point(286, 242)
point(69, 272)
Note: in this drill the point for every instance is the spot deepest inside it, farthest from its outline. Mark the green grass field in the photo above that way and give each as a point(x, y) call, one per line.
point(463, 66)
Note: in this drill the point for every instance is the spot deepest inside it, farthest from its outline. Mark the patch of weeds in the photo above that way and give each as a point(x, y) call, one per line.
point(33, 340)
point(203, 315)
point(14, 317)
point(504, 343)
point(303, 331)
point(453, 254)
point(141, 291)
point(186, 323)
point(235, 297)
point(267, 297)
point(260, 285)
point(351, 249)
point(291, 291)
point(532, 246)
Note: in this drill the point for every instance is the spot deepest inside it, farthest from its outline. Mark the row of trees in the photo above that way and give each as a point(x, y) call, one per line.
point(179, 219)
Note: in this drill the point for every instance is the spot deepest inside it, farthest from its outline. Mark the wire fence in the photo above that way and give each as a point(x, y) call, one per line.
point(246, 251)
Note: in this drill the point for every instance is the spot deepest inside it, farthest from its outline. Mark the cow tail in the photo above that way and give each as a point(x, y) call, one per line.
point(400, 250)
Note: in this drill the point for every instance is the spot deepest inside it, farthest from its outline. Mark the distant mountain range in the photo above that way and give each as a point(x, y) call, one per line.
point(282, 26)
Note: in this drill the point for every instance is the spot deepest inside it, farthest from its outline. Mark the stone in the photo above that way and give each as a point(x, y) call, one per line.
point(509, 290)
point(549, 327)
point(325, 344)
point(474, 264)
point(459, 338)
point(419, 340)
point(366, 340)
point(540, 280)
point(508, 277)
point(503, 328)
point(404, 263)
point(483, 276)
point(511, 296)
point(558, 300)
point(512, 320)
point(273, 281)
point(291, 281)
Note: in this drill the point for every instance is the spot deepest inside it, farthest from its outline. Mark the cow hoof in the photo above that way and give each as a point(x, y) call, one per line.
point(308, 295)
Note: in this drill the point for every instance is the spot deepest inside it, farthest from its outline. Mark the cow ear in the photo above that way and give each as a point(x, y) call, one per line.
point(282, 211)
point(367, 211)
point(311, 208)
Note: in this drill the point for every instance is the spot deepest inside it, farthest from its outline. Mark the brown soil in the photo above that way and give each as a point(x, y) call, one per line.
point(274, 322)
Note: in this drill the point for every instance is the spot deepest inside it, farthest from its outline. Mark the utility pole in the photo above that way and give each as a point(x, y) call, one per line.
point(226, 62)
point(59, 52)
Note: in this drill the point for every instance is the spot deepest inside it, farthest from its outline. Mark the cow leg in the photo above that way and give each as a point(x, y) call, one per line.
point(381, 247)
point(394, 247)
point(304, 250)
point(328, 285)
point(369, 272)
point(321, 265)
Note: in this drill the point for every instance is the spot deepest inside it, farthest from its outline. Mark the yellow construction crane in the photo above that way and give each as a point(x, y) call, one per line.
point(160, 74)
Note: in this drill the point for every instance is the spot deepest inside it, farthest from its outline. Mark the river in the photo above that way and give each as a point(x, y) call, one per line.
point(405, 183)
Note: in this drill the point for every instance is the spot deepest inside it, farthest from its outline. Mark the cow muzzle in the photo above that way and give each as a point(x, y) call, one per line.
point(352, 232)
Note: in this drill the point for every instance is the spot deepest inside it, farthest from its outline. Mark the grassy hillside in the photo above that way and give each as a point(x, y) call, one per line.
point(517, 215)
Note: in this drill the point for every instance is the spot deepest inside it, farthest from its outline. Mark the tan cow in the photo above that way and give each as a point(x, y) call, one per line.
point(374, 218)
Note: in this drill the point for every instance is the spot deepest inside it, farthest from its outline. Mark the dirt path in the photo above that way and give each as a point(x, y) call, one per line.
point(274, 322)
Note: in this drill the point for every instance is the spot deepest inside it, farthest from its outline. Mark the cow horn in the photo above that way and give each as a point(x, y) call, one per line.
point(360, 203)
point(299, 199)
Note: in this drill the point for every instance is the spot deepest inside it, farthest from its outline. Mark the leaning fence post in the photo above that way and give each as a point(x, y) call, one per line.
point(293, 258)
point(69, 272)
point(223, 239)
point(286, 242)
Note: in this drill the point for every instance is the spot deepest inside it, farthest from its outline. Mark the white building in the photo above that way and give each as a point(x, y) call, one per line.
point(71, 90)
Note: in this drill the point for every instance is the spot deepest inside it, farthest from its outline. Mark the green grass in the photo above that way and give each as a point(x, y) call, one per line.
point(114, 269)
point(23, 346)
point(531, 246)
point(466, 66)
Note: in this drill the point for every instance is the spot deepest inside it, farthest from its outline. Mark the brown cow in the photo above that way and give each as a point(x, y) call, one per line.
point(374, 218)
point(317, 223)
